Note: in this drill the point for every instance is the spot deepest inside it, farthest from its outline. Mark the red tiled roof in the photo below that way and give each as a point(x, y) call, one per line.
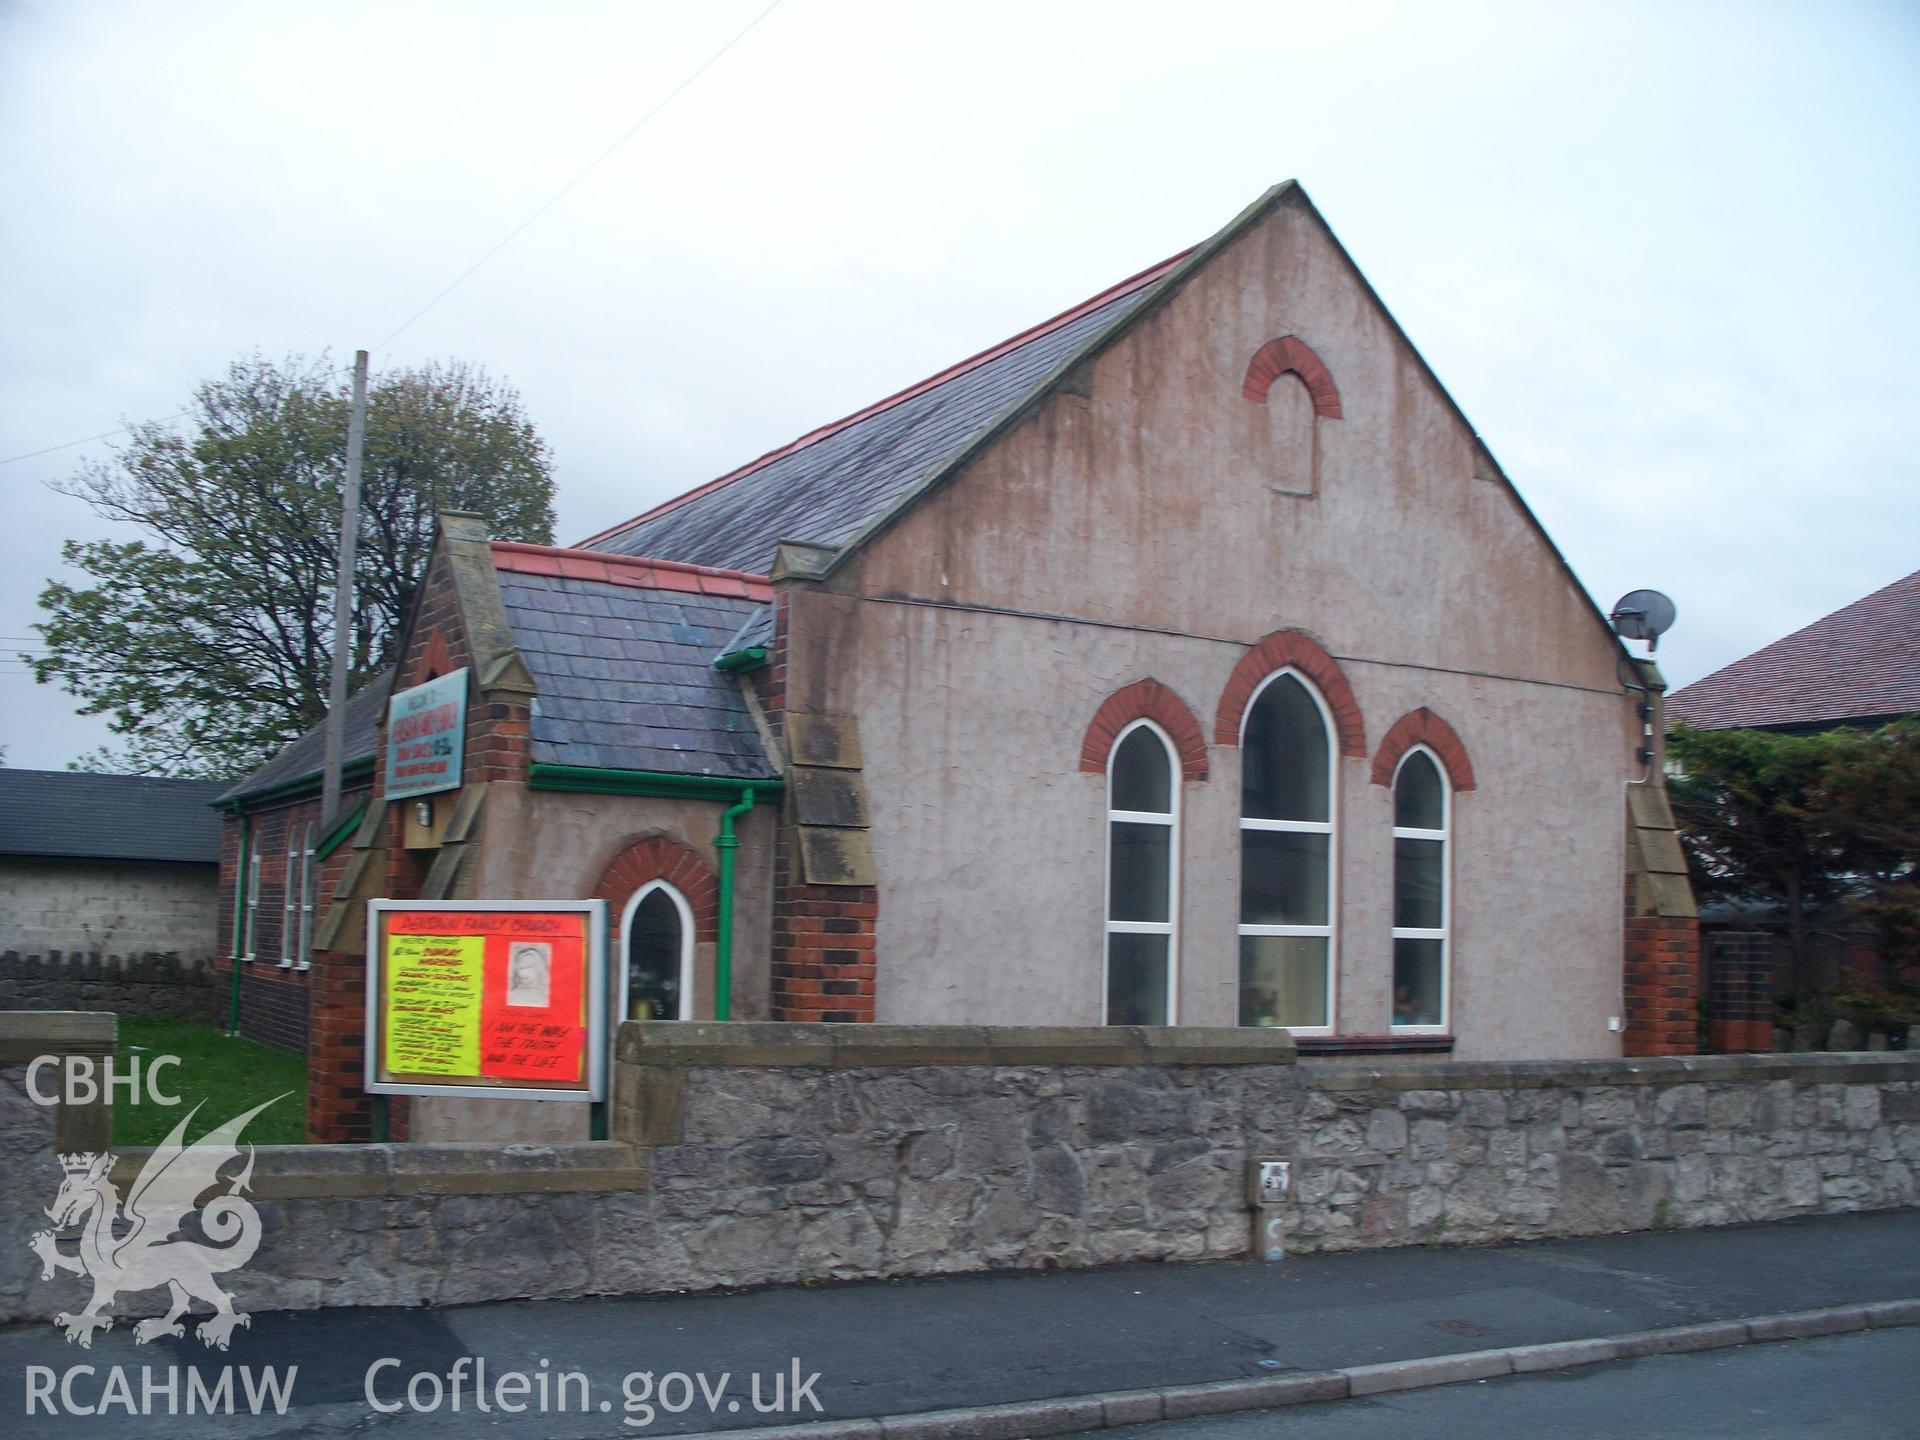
point(1859, 663)
point(560, 562)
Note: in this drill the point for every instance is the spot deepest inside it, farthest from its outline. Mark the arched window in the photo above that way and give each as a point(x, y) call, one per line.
point(290, 900)
point(1286, 857)
point(305, 953)
point(1422, 811)
point(1143, 833)
point(657, 937)
point(253, 896)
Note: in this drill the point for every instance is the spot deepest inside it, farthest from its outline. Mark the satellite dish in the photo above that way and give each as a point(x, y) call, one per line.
point(1643, 615)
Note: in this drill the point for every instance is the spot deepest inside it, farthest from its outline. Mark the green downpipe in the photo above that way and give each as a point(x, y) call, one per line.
point(726, 842)
point(241, 865)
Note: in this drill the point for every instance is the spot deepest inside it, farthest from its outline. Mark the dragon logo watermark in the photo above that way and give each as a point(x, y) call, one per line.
point(142, 1244)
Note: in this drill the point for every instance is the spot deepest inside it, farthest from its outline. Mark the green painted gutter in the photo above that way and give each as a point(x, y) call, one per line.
point(586, 780)
point(726, 842)
point(243, 862)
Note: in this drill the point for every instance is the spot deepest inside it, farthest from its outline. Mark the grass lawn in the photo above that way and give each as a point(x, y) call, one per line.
point(232, 1076)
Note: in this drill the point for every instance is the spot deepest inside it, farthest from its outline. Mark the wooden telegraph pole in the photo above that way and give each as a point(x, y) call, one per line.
point(343, 595)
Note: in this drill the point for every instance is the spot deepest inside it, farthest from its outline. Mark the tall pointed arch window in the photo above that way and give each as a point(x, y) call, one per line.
point(1422, 818)
point(1143, 850)
point(656, 933)
point(1287, 805)
point(304, 960)
point(290, 900)
point(252, 930)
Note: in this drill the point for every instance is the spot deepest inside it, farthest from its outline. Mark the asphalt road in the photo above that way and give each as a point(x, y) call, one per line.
point(892, 1348)
point(1849, 1385)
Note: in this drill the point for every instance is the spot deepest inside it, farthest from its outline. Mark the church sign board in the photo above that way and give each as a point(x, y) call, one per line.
point(426, 737)
point(503, 1000)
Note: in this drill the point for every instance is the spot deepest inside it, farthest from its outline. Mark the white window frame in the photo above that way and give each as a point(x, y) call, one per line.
point(1444, 934)
point(1330, 827)
point(253, 897)
point(304, 958)
point(1170, 927)
point(618, 1010)
point(290, 899)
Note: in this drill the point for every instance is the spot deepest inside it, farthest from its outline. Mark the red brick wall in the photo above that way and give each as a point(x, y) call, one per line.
point(823, 943)
point(1662, 983)
point(497, 747)
point(273, 990)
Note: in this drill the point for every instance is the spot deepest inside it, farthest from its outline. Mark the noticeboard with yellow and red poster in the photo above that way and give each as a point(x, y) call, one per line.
point(482, 999)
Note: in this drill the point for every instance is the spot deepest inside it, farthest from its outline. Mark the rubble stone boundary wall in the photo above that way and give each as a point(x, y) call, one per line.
point(1474, 1153)
point(773, 1153)
point(135, 987)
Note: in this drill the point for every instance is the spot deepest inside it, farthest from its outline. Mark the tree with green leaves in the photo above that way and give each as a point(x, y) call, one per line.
point(208, 639)
point(1818, 826)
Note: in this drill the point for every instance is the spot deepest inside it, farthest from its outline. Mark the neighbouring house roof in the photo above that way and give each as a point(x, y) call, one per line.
point(304, 758)
point(72, 815)
point(621, 652)
point(1859, 664)
point(828, 486)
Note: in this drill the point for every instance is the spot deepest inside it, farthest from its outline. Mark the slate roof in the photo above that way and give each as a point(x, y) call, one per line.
point(625, 677)
point(827, 486)
point(1861, 663)
point(108, 817)
point(366, 707)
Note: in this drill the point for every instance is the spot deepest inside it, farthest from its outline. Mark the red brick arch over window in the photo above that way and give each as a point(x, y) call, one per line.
point(658, 858)
point(1291, 355)
point(1145, 700)
point(1300, 651)
point(1423, 727)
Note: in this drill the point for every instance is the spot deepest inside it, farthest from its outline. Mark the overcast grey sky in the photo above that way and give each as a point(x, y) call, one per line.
point(1663, 255)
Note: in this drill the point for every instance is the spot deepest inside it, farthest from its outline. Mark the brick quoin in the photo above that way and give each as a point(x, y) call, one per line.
point(658, 858)
point(1145, 700)
point(1297, 650)
point(823, 959)
point(1423, 727)
point(1291, 355)
point(1662, 983)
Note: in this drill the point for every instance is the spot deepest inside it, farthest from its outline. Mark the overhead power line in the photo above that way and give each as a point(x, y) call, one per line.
point(501, 244)
point(591, 166)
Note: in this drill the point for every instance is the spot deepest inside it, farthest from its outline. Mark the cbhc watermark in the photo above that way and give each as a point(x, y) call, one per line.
point(86, 1081)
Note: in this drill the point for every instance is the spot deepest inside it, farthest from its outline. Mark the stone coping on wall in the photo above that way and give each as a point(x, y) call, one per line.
point(781, 1044)
point(25, 1035)
point(1862, 1068)
point(283, 1172)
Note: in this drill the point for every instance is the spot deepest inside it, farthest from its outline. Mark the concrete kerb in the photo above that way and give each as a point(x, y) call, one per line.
point(1112, 1409)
